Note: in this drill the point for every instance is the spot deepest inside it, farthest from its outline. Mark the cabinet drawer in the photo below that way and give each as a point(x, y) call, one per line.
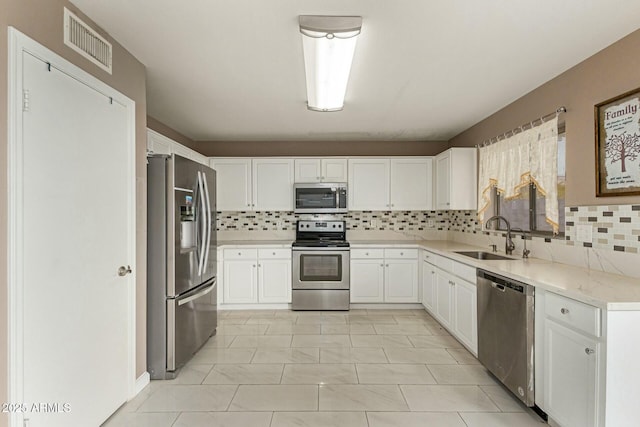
point(583, 317)
point(467, 272)
point(401, 253)
point(367, 253)
point(439, 261)
point(240, 254)
point(274, 253)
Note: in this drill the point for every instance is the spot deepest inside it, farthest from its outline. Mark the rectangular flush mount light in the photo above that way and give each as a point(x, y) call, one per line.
point(329, 43)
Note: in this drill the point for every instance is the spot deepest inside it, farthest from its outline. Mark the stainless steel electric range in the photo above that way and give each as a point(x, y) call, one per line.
point(320, 266)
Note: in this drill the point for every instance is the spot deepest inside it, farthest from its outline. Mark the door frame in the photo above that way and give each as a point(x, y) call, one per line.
point(19, 42)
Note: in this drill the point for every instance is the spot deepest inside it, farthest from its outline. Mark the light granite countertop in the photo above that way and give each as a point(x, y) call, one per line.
point(605, 290)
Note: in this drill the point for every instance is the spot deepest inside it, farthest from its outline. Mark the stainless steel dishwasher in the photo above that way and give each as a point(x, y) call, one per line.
point(505, 332)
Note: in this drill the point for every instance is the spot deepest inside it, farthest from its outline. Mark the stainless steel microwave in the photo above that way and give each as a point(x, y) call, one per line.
point(321, 197)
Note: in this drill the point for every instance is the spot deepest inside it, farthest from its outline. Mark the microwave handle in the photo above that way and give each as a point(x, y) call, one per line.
point(337, 199)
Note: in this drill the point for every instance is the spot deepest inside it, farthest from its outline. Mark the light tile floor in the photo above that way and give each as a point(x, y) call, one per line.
point(362, 368)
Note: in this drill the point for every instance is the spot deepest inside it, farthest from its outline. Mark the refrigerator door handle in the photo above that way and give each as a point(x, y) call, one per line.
point(197, 295)
point(203, 225)
point(208, 215)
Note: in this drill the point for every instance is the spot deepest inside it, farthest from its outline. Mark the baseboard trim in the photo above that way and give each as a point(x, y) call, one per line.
point(141, 382)
point(387, 306)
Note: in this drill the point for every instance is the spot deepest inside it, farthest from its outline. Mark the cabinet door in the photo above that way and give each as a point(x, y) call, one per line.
point(463, 191)
point(444, 298)
point(401, 280)
point(233, 184)
point(465, 325)
point(274, 281)
point(240, 281)
point(443, 189)
point(411, 184)
point(157, 144)
point(273, 184)
point(369, 184)
point(571, 368)
point(367, 280)
point(428, 286)
point(307, 170)
point(334, 170)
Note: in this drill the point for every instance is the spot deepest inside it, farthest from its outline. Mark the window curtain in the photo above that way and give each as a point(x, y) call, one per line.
point(530, 156)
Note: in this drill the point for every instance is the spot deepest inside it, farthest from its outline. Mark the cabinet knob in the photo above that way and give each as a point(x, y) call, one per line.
point(381, 265)
point(401, 253)
point(589, 350)
point(254, 266)
point(318, 178)
point(366, 253)
point(451, 283)
point(564, 310)
point(249, 204)
point(273, 253)
point(387, 265)
point(239, 253)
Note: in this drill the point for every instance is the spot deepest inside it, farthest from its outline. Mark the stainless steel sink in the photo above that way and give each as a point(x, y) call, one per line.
point(484, 255)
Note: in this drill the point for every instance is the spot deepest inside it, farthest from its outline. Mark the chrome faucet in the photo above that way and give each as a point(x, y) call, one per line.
point(508, 244)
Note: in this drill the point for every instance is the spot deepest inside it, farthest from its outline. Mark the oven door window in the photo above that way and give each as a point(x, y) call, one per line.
point(315, 198)
point(321, 268)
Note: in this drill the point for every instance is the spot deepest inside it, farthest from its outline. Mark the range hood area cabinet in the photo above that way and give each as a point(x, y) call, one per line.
point(457, 179)
point(320, 170)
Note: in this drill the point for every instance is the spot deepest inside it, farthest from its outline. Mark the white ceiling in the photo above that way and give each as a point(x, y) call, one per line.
point(423, 69)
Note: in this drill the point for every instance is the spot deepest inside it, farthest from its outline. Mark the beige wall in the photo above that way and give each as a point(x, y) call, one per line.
point(609, 73)
point(42, 21)
point(320, 148)
point(170, 133)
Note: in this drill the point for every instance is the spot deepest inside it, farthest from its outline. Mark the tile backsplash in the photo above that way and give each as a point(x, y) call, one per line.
point(356, 220)
point(615, 227)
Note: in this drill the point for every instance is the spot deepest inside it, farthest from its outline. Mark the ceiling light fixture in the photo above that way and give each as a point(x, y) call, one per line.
point(329, 43)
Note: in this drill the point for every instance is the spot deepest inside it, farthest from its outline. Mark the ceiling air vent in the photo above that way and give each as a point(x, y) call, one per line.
point(86, 41)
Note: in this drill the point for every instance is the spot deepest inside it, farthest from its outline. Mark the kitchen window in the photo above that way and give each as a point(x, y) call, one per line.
point(526, 212)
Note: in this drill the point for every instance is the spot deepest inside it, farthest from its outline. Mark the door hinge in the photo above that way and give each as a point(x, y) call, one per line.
point(25, 100)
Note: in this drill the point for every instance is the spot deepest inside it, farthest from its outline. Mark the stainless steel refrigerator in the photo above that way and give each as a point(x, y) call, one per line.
point(181, 262)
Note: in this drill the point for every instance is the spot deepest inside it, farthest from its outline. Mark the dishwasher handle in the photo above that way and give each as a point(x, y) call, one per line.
point(502, 283)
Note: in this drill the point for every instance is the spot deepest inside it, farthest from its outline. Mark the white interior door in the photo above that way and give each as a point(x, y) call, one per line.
point(75, 229)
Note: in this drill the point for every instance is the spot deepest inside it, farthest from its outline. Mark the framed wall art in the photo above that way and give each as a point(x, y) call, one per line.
point(618, 145)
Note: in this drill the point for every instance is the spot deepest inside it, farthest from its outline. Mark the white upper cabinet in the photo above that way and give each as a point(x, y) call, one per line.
point(412, 183)
point(369, 184)
point(233, 184)
point(391, 184)
point(456, 179)
point(160, 144)
point(320, 170)
point(334, 170)
point(272, 184)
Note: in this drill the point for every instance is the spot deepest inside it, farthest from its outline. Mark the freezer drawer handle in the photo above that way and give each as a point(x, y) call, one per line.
point(197, 295)
point(123, 271)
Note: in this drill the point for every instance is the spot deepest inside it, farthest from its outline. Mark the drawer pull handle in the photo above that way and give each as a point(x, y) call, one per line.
point(564, 310)
point(589, 350)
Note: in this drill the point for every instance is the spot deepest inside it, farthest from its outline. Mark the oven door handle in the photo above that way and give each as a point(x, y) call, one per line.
point(319, 249)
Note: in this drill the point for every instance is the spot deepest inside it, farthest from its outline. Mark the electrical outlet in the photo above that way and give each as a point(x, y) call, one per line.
point(279, 223)
point(584, 233)
point(431, 223)
point(373, 223)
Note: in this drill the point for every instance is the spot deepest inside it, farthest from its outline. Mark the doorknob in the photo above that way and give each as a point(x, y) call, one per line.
point(123, 271)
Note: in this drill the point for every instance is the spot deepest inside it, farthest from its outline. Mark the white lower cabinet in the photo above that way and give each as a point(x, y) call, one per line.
point(572, 353)
point(256, 276)
point(451, 297)
point(444, 298)
point(465, 318)
point(367, 280)
point(428, 285)
point(389, 275)
point(240, 281)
